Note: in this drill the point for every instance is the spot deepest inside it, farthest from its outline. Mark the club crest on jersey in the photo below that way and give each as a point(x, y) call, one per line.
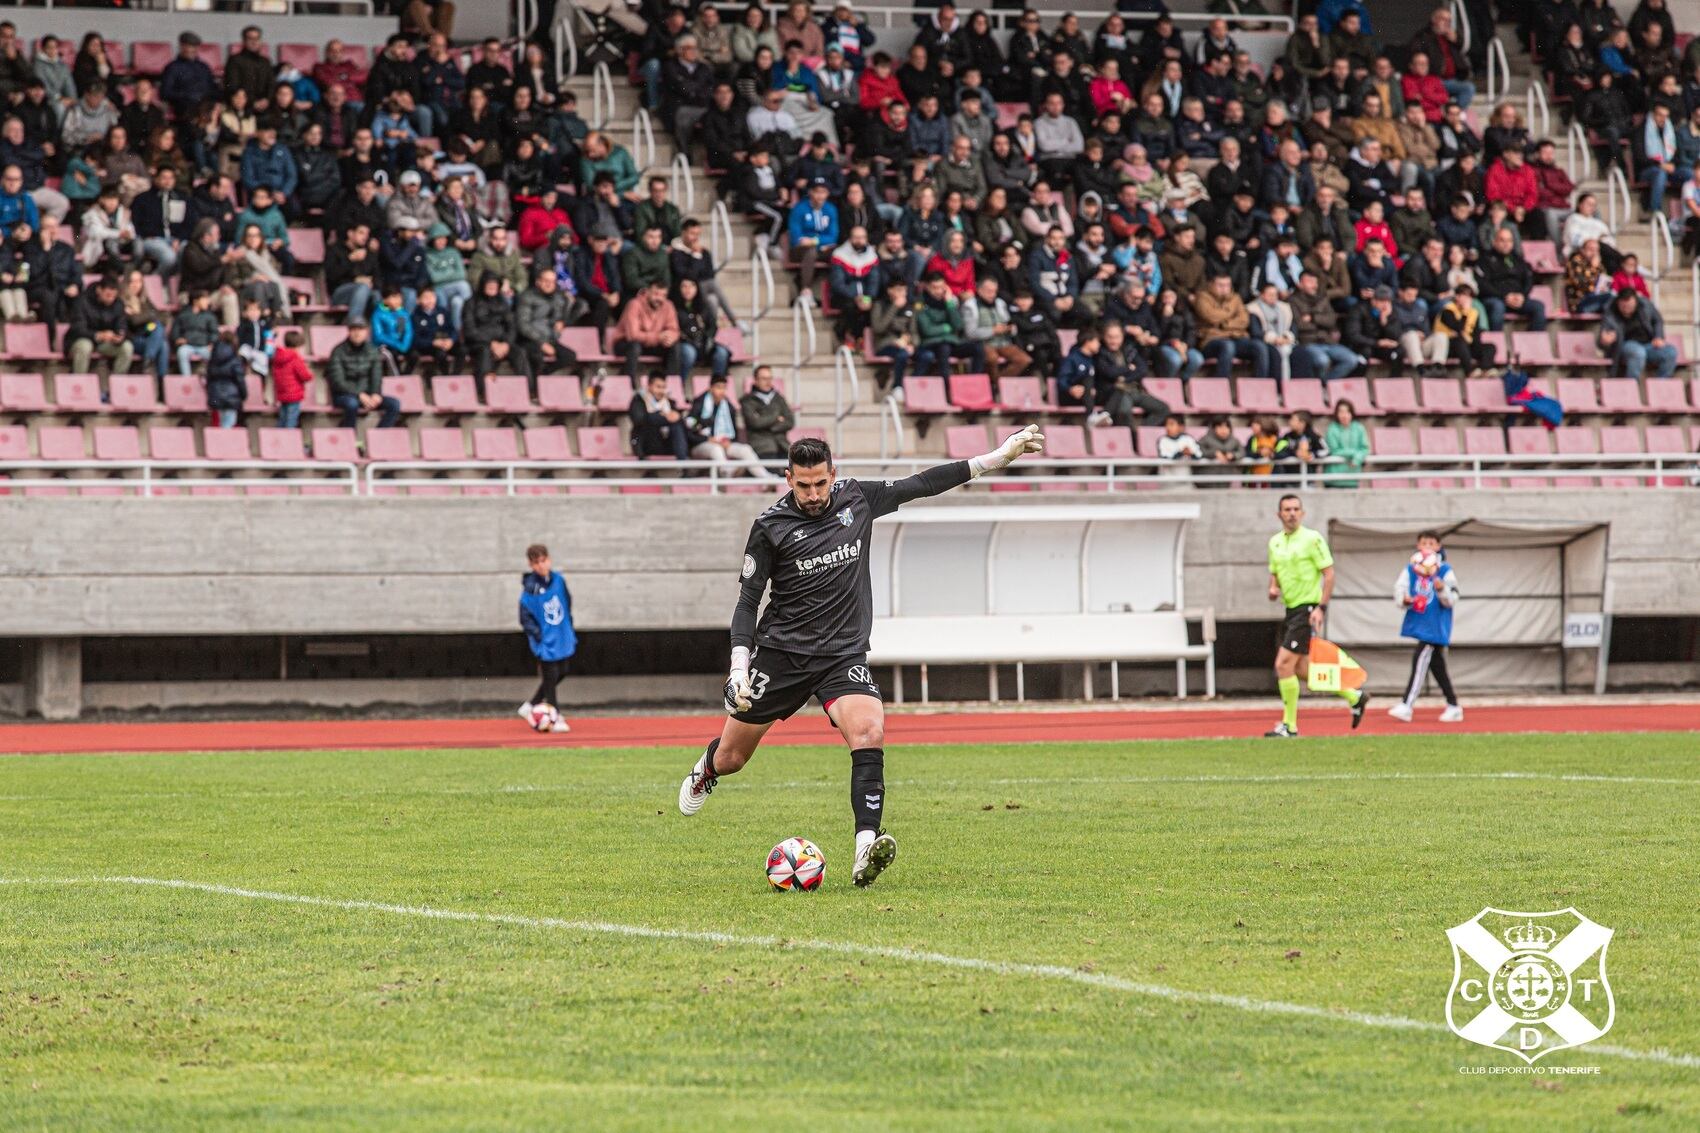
point(749, 565)
point(846, 517)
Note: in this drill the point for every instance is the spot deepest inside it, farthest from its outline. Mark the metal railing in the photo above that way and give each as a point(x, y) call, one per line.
point(1576, 147)
point(1008, 19)
point(643, 140)
point(684, 186)
point(891, 416)
point(722, 241)
point(150, 484)
point(1535, 103)
point(802, 331)
point(1620, 204)
point(844, 370)
point(1662, 253)
point(1461, 24)
point(601, 96)
point(762, 290)
point(565, 41)
point(1499, 74)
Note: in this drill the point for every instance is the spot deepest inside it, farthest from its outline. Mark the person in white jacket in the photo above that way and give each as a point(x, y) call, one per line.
point(1276, 318)
point(1178, 446)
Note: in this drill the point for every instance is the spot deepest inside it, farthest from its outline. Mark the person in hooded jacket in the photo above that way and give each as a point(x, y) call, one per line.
point(489, 331)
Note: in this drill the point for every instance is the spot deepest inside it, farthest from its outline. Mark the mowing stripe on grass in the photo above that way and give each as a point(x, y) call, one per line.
point(842, 948)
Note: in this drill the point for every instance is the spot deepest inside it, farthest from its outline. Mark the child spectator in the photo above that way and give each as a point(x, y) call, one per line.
point(392, 330)
point(1220, 447)
point(1177, 445)
point(1629, 275)
point(436, 345)
point(1373, 226)
point(195, 332)
point(254, 338)
point(1300, 443)
point(290, 376)
point(1265, 436)
point(226, 389)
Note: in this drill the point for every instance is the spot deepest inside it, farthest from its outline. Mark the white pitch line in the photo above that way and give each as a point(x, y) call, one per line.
point(753, 784)
point(837, 947)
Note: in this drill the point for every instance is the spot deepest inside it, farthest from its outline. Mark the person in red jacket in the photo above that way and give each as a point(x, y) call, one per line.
point(1424, 88)
point(1511, 180)
point(537, 224)
point(879, 86)
point(955, 264)
point(1553, 188)
point(290, 376)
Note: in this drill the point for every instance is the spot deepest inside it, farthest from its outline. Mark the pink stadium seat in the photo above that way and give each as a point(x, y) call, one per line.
point(409, 390)
point(117, 442)
point(1009, 113)
point(615, 394)
point(733, 339)
point(172, 442)
point(1619, 440)
point(582, 341)
point(14, 442)
point(811, 433)
point(302, 56)
point(341, 445)
point(1146, 438)
point(508, 394)
point(1065, 442)
point(1303, 393)
point(27, 342)
point(1210, 396)
point(601, 443)
point(1442, 396)
point(1170, 391)
point(1395, 395)
point(964, 441)
point(156, 291)
point(61, 442)
point(676, 390)
point(1021, 395)
point(212, 55)
point(1542, 294)
point(282, 444)
point(1578, 395)
point(1665, 440)
point(307, 245)
point(323, 339)
point(547, 442)
point(1055, 401)
point(1479, 441)
point(1621, 395)
point(185, 393)
point(1391, 440)
point(923, 394)
point(557, 393)
point(23, 393)
point(1442, 441)
point(1574, 440)
point(1355, 390)
point(1542, 257)
point(441, 444)
point(1533, 348)
point(358, 54)
point(134, 393)
point(1528, 441)
point(78, 393)
point(1257, 395)
point(494, 444)
point(454, 394)
point(971, 393)
point(1114, 443)
point(254, 401)
point(1485, 395)
point(227, 444)
point(1578, 348)
point(1501, 342)
point(389, 444)
point(150, 58)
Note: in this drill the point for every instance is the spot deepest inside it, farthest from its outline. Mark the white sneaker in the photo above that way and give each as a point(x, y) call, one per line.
point(1452, 714)
point(746, 326)
point(874, 860)
point(525, 712)
point(1097, 419)
point(1281, 732)
point(1400, 712)
point(695, 789)
point(898, 395)
point(560, 726)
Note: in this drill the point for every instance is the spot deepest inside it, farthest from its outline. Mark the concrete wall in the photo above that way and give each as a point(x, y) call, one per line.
point(303, 566)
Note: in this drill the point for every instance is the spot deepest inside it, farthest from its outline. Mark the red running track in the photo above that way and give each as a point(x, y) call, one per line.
point(1031, 726)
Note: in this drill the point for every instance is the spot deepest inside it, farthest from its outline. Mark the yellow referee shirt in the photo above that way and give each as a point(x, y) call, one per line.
point(1297, 562)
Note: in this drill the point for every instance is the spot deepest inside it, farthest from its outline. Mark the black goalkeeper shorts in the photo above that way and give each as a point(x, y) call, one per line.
point(1295, 631)
point(781, 683)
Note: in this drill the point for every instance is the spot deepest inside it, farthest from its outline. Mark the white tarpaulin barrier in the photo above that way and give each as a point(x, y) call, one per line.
point(1519, 581)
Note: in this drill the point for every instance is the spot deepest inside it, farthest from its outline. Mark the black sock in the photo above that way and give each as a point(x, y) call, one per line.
point(708, 756)
point(867, 786)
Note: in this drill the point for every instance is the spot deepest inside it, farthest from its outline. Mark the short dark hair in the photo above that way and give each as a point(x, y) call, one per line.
point(294, 339)
point(536, 551)
point(1435, 535)
point(810, 452)
point(1289, 496)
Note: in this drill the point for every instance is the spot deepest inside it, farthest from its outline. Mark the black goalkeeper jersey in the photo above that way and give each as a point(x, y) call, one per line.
point(822, 602)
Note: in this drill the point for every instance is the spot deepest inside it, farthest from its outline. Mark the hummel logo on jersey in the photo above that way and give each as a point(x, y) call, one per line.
point(843, 553)
point(798, 534)
point(873, 801)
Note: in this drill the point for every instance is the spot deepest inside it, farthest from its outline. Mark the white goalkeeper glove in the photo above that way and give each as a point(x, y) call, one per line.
point(738, 689)
point(1028, 440)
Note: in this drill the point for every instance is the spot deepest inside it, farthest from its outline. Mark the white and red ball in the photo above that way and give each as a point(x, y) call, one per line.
point(544, 717)
point(795, 864)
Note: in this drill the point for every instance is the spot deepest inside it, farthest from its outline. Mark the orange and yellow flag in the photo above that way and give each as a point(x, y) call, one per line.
point(1332, 668)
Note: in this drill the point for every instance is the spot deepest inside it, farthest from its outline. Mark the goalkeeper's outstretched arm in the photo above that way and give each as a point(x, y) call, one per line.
point(943, 477)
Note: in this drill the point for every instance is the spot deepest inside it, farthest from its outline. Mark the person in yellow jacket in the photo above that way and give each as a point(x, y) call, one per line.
point(1460, 320)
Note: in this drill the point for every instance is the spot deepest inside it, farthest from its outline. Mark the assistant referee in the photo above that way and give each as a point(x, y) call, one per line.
point(1301, 573)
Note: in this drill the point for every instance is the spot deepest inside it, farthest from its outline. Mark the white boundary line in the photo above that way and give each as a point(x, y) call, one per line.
point(754, 784)
point(842, 948)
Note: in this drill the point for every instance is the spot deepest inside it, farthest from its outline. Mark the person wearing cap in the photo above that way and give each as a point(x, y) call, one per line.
point(186, 81)
point(355, 373)
point(848, 32)
point(411, 202)
point(446, 269)
point(840, 90)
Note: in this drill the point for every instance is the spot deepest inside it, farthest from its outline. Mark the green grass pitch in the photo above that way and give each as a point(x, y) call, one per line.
point(1321, 873)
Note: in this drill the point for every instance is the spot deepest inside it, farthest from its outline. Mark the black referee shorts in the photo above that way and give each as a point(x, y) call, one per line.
point(1295, 631)
point(781, 683)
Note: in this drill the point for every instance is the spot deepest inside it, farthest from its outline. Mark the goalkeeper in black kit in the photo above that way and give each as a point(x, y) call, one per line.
point(811, 548)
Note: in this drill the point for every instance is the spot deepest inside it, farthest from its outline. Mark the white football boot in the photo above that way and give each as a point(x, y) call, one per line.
point(560, 726)
point(874, 859)
point(1452, 714)
point(1281, 732)
point(525, 712)
point(696, 788)
point(1400, 711)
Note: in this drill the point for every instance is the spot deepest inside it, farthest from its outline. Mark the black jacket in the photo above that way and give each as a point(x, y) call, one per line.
point(148, 212)
point(486, 320)
point(89, 316)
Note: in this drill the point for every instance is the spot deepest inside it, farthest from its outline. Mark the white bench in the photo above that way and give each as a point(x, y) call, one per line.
point(1046, 638)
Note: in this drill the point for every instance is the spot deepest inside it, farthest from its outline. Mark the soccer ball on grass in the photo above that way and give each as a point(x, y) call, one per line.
point(795, 864)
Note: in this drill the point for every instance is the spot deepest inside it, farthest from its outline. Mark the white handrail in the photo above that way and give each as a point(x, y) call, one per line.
point(1694, 297)
point(844, 366)
point(526, 22)
point(601, 105)
point(346, 474)
point(1661, 241)
point(1576, 144)
point(681, 173)
point(1535, 100)
point(1005, 19)
point(1620, 206)
point(892, 415)
point(643, 139)
point(802, 328)
point(566, 50)
point(721, 250)
point(1461, 24)
point(1497, 64)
